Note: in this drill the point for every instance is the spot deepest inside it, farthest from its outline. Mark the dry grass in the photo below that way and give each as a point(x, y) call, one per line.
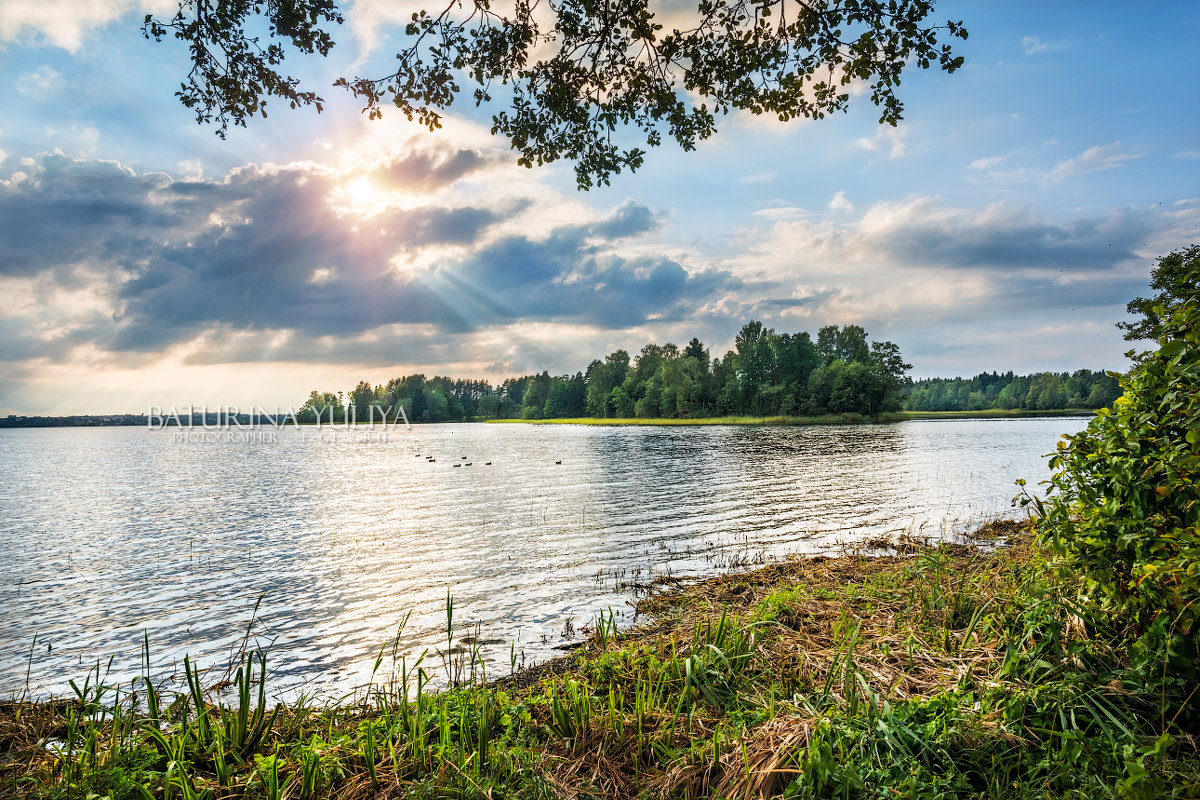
point(25, 728)
point(844, 625)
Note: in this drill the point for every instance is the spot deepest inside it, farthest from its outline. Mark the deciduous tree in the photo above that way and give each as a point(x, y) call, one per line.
point(1174, 278)
point(1123, 509)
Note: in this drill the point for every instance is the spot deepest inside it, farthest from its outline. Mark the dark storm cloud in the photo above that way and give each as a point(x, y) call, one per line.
point(287, 261)
point(225, 346)
point(71, 211)
point(426, 171)
point(66, 212)
point(1096, 291)
point(630, 219)
point(1014, 241)
point(296, 268)
point(18, 344)
point(568, 277)
point(795, 302)
point(263, 250)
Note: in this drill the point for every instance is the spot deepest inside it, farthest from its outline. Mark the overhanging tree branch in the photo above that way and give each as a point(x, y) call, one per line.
point(578, 71)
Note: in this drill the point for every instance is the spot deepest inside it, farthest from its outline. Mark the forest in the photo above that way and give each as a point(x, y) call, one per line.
point(766, 374)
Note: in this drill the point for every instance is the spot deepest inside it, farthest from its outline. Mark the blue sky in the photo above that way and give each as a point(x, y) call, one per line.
point(1003, 225)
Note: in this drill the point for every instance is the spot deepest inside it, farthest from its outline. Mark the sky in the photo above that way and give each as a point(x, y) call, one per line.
point(1003, 225)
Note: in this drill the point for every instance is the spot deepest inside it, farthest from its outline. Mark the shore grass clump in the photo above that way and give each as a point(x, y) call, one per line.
point(947, 672)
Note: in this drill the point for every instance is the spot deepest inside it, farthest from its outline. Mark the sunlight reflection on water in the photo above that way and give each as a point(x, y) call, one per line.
point(107, 533)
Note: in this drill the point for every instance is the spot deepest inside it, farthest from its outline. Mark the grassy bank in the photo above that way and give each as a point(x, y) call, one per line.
point(825, 419)
point(948, 672)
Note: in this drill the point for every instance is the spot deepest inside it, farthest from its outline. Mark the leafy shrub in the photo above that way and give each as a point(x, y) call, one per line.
point(1123, 509)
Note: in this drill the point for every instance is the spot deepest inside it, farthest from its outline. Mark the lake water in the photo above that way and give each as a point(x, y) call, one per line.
point(111, 534)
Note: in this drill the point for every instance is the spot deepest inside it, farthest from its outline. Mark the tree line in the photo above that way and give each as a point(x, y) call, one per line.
point(841, 371)
point(1041, 391)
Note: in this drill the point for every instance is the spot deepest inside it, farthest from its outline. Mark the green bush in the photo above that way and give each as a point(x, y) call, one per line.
point(1123, 510)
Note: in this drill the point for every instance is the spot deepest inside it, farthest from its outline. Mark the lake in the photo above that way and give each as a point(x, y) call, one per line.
point(109, 535)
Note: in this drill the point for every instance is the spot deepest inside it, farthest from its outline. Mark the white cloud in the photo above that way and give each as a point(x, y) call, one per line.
point(190, 168)
point(840, 203)
point(759, 177)
point(369, 18)
point(65, 23)
point(886, 136)
point(1095, 159)
point(1000, 169)
point(919, 255)
point(1008, 167)
point(781, 212)
point(986, 163)
point(40, 82)
point(1033, 45)
point(78, 137)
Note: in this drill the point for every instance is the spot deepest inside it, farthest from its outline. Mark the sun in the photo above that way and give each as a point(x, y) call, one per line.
point(361, 197)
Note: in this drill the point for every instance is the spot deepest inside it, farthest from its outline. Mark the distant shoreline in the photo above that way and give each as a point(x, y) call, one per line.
point(825, 419)
point(137, 420)
point(999, 413)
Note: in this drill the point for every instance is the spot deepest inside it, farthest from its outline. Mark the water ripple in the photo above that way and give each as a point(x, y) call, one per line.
point(110, 534)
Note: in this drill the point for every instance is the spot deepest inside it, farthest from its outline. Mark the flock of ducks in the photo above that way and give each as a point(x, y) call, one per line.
point(462, 463)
